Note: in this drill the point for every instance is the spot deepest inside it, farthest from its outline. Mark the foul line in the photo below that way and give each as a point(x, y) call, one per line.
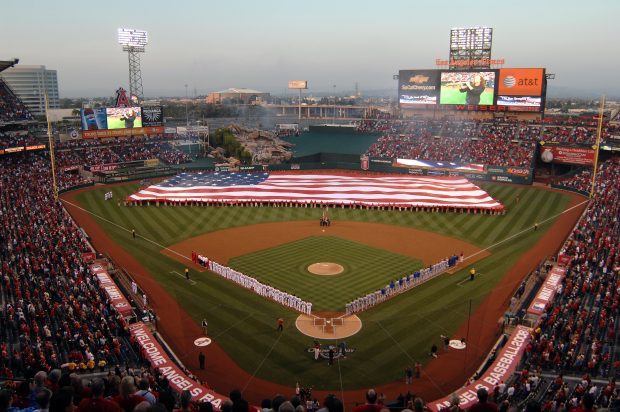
point(406, 353)
point(525, 230)
point(232, 326)
point(260, 365)
point(191, 282)
point(467, 279)
point(125, 229)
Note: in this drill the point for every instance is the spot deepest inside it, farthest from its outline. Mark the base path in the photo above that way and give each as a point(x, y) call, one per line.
point(223, 245)
point(439, 377)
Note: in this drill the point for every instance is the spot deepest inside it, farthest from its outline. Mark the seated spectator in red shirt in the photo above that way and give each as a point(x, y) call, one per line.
point(371, 403)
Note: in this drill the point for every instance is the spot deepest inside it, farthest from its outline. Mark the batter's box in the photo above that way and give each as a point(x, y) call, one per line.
point(319, 321)
point(337, 321)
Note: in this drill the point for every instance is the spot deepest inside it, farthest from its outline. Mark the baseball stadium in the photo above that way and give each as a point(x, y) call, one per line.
point(427, 251)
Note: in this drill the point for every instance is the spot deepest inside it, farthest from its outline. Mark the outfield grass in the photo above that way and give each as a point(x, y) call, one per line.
point(244, 323)
point(284, 267)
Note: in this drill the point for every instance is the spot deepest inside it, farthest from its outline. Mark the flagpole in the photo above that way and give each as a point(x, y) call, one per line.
point(598, 143)
point(51, 143)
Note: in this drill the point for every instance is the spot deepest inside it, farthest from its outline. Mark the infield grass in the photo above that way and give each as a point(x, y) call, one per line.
point(394, 333)
point(285, 267)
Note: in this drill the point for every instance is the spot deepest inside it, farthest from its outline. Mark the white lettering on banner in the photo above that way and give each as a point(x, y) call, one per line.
point(178, 380)
point(501, 369)
point(547, 291)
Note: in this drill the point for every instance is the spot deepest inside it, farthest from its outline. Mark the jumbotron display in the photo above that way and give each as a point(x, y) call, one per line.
point(121, 121)
point(473, 90)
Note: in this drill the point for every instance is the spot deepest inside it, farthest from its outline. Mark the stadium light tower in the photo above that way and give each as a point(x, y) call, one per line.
point(134, 42)
point(471, 47)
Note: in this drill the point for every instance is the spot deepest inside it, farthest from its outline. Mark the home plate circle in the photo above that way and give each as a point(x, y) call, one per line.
point(457, 344)
point(325, 269)
point(202, 341)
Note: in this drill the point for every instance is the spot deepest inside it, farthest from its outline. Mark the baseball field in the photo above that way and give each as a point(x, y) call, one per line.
point(276, 245)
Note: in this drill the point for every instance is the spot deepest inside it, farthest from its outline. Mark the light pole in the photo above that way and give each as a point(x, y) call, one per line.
point(186, 113)
point(334, 104)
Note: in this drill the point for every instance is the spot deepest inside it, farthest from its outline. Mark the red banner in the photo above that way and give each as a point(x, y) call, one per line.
point(564, 260)
point(502, 368)
point(89, 257)
point(570, 155)
point(179, 381)
point(547, 291)
point(94, 134)
point(114, 293)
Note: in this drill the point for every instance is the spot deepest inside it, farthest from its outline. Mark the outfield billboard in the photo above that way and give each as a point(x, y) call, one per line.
point(568, 155)
point(493, 90)
point(152, 116)
point(418, 87)
point(94, 119)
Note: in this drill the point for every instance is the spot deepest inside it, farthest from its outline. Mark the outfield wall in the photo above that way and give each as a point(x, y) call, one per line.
point(502, 174)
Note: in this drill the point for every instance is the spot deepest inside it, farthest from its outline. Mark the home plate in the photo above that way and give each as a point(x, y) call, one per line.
point(202, 341)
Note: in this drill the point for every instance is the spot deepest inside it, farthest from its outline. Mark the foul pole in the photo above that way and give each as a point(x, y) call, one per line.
point(598, 143)
point(50, 138)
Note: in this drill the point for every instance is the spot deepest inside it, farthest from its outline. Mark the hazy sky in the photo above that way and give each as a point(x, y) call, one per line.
point(215, 44)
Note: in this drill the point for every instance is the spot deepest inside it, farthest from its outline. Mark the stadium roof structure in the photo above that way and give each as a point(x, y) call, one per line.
point(5, 64)
point(240, 90)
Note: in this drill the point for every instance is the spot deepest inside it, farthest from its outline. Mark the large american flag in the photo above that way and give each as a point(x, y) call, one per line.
point(327, 189)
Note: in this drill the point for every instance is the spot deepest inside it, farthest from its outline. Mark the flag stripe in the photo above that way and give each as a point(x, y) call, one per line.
point(406, 191)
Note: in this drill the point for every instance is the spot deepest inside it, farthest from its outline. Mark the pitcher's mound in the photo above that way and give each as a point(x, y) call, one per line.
point(325, 269)
point(328, 327)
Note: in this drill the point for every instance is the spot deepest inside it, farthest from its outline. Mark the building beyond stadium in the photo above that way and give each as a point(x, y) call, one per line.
point(237, 95)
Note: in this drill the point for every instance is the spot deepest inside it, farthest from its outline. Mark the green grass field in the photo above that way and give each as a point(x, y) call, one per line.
point(451, 95)
point(284, 267)
point(244, 323)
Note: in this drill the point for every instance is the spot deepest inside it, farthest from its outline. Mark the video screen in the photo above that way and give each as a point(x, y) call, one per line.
point(468, 87)
point(124, 117)
point(94, 119)
point(418, 87)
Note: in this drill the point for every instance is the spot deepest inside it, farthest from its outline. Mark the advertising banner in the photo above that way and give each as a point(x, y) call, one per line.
point(568, 155)
point(520, 82)
point(502, 368)
point(475, 88)
point(179, 381)
point(99, 134)
point(418, 87)
point(103, 168)
point(298, 84)
point(547, 291)
point(519, 101)
point(152, 116)
point(94, 119)
point(117, 298)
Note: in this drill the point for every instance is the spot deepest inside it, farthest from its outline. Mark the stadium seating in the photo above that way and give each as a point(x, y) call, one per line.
point(578, 332)
point(53, 310)
point(11, 107)
point(500, 143)
point(88, 153)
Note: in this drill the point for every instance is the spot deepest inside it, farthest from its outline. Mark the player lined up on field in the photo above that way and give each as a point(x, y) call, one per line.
point(401, 285)
point(254, 285)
